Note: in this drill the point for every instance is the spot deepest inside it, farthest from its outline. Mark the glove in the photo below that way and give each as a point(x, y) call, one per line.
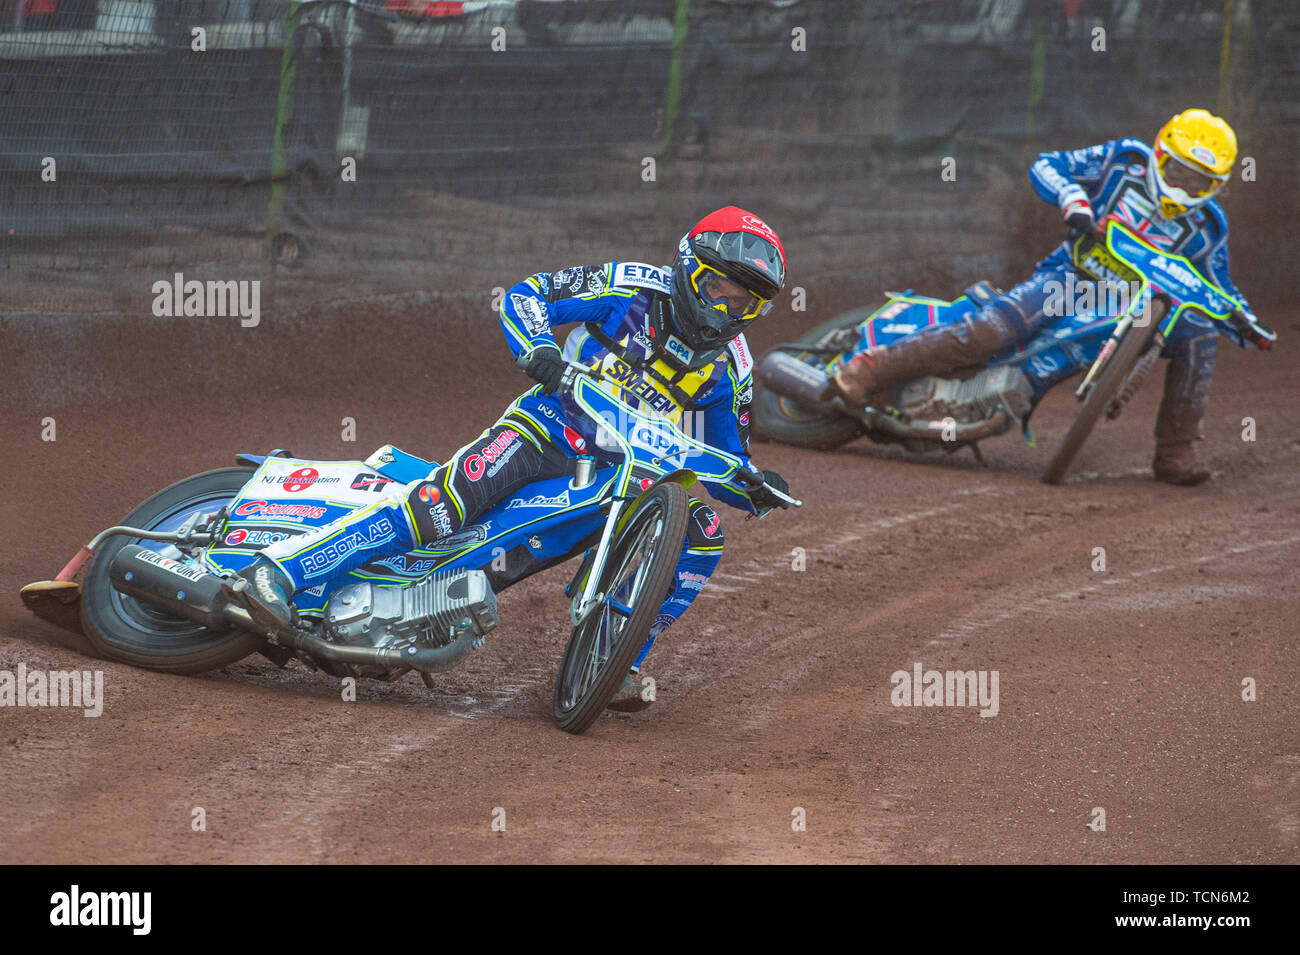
point(1253, 331)
point(546, 366)
point(1078, 216)
point(764, 497)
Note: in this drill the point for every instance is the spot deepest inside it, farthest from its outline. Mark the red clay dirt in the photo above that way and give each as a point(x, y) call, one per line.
point(1119, 689)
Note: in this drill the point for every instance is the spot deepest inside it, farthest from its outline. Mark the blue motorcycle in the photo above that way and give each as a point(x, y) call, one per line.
point(1111, 327)
point(151, 593)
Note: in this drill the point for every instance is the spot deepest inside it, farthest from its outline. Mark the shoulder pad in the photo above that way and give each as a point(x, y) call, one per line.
point(640, 275)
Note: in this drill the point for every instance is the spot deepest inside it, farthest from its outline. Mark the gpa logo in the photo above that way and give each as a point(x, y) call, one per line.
point(678, 349)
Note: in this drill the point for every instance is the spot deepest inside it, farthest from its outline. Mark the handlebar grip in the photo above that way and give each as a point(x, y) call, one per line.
point(521, 362)
point(1255, 332)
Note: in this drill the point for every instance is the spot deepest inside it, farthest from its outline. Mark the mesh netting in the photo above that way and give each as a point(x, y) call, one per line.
point(385, 146)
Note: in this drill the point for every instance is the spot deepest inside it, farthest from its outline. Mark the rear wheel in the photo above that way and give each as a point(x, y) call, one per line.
point(778, 418)
point(123, 628)
point(1107, 385)
point(640, 570)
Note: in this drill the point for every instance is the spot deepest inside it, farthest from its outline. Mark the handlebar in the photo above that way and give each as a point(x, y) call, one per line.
point(752, 480)
point(1252, 330)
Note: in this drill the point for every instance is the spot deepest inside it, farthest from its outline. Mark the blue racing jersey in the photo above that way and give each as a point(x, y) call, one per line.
point(1113, 179)
point(614, 302)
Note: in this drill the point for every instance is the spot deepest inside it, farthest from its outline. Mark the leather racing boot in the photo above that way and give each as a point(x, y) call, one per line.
point(935, 351)
point(1178, 425)
point(629, 698)
point(262, 589)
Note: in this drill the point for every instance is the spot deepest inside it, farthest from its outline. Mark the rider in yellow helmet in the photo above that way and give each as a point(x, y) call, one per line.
point(1166, 193)
point(1194, 153)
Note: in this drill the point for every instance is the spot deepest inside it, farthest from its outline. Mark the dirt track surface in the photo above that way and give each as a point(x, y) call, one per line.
point(1118, 689)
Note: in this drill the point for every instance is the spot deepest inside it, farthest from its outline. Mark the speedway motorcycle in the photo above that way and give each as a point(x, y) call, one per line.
point(1129, 297)
point(151, 590)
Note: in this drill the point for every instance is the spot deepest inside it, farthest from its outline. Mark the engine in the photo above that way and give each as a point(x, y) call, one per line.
point(433, 612)
point(969, 400)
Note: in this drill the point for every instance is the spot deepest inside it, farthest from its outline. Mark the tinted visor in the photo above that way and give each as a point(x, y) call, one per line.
point(1192, 181)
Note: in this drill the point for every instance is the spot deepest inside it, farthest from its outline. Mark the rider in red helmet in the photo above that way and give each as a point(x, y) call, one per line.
point(672, 335)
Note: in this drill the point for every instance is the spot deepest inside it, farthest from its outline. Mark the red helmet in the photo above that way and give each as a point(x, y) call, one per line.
point(729, 268)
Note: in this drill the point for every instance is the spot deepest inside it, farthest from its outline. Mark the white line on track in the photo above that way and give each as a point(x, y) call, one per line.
point(979, 621)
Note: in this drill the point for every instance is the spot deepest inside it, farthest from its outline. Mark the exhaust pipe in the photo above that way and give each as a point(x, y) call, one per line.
point(180, 589)
point(788, 376)
point(194, 594)
point(424, 659)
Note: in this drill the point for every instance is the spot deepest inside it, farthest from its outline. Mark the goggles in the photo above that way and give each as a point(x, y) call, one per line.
point(1178, 174)
point(724, 294)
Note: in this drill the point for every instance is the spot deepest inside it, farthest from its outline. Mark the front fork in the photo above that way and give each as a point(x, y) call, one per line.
point(1121, 329)
point(591, 598)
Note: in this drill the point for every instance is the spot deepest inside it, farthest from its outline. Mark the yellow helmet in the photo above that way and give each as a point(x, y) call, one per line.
point(1194, 155)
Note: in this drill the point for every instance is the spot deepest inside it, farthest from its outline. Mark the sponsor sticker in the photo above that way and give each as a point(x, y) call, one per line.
point(532, 312)
point(365, 481)
point(740, 351)
point(332, 554)
point(541, 500)
point(441, 520)
point(678, 349)
point(187, 571)
point(641, 275)
point(473, 534)
point(299, 480)
point(288, 512)
point(489, 459)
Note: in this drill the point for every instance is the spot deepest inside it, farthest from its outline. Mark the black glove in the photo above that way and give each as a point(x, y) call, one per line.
point(764, 497)
point(546, 366)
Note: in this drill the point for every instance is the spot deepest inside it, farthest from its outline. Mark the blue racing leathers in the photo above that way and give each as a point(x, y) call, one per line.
point(1114, 179)
point(616, 304)
point(534, 439)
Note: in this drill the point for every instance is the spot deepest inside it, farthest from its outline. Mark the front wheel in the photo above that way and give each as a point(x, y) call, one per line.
point(123, 628)
point(1107, 385)
point(640, 571)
